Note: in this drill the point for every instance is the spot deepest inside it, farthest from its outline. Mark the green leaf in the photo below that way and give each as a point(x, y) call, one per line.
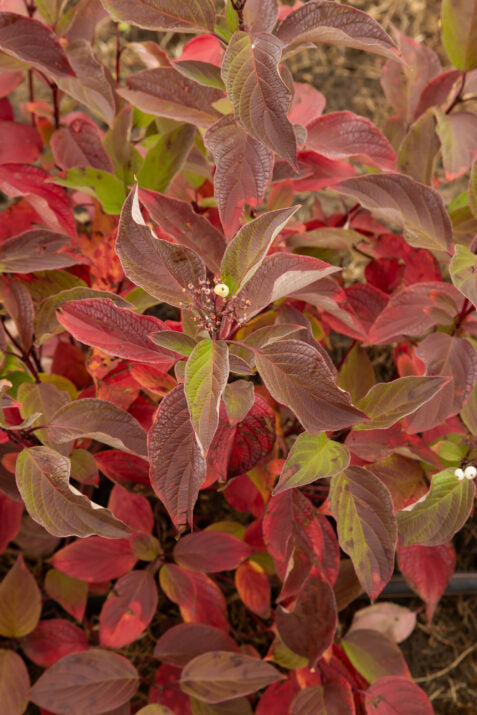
point(20, 602)
point(356, 374)
point(367, 530)
point(166, 158)
point(388, 402)
point(206, 376)
point(247, 250)
point(43, 480)
point(463, 271)
point(202, 72)
point(459, 32)
point(312, 457)
point(442, 513)
point(419, 149)
point(374, 655)
point(97, 183)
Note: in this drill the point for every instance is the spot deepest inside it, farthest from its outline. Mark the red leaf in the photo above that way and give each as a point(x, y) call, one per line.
point(32, 41)
point(122, 468)
point(309, 628)
point(199, 598)
point(53, 639)
point(343, 135)
point(18, 142)
point(253, 587)
point(166, 691)
point(254, 438)
point(428, 570)
point(116, 331)
point(133, 509)
point(128, 610)
point(179, 644)
point(10, 520)
point(308, 104)
point(95, 559)
point(14, 682)
point(210, 551)
point(205, 48)
point(80, 144)
point(177, 466)
point(392, 695)
point(107, 681)
point(335, 698)
point(277, 698)
point(385, 274)
point(9, 80)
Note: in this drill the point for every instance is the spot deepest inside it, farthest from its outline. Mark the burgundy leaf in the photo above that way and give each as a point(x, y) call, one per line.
point(392, 695)
point(165, 15)
point(79, 144)
point(437, 91)
point(53, 639)
point(428, 570)
point(261, 15)
point(87, 14)
point(199, 598)
point(253, 439)
point(177, 466)
point(10, 520)
point(334, 698)
point(18, 142)
point(95, 559)
point(343, 135)
point(323, 21)
point(253, 587)
point(14, 682)
point(243, 170)
point(128, 609)
point(116, 331)
point(180, 644)
point(260, 97)
point(35, 250)
point(107, 680)
point(210, 551)
point(18, 303)
point(122, 468)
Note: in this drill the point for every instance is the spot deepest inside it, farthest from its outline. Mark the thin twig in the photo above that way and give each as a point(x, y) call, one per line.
point(444, 671)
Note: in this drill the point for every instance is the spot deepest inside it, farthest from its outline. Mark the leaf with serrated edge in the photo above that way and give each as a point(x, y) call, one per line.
point(165, 15)
point(388, 402)
point(297, 375)
point(367, 530)
point(463, 271)
point(43, 480)
point(246, 252)
point(418, 208)
point(220, 675)
point(177, 465)
point(206, 376)
point(161, 268)
point(440, 514)
point(100, 420)
point(260, 97)
point(337, 24)
point(312, 457)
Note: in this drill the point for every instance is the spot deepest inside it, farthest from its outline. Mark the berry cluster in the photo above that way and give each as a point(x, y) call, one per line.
point(470, 472)
point(213, 307)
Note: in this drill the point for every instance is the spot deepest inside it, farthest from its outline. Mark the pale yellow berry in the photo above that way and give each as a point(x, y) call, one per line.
point(222, 290)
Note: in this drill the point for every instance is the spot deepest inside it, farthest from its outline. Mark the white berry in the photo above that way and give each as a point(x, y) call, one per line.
point(222, 290)
point(470, 472)
point(460, 474)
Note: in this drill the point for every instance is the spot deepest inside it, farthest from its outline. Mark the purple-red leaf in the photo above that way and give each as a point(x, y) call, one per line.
point(36, 250)
point(95, 559)
point(95, 682)
point(179, 644)
point(123, 469)
point(458, 136)
point(165, 15)
point(333, 698)
point(392, 695)
point(80, 144)
point(128, 609)
point(260, 97)
point(53, 639)
point(177, 466)
point(18, 142)
point(211, 551)
point(10, 520)
point(260, 15)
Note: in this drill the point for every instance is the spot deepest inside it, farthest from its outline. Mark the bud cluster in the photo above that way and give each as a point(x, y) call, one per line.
point(213, 307)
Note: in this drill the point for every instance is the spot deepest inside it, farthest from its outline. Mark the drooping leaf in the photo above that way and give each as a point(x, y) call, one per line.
point(69, 592)
point(246, 252)
point(100, 323)
point(333, 697)
point(101, 420)
point(463, 271)
point(211, 551)
point(177, 465)
point(161, 268)
point(296, 374)
point(52, 639)
point(166, 158)
point(42, 476)
point(180, 644)
point(419, 209)
point(260, 97)
point(206, 376)
point(100, 184)
point(367, 530)
point(459, 33)
point(312, 457)
point(95, 559)
point(166, 92)
point(374, 655)
point(128, 609)
point(440, 515)
point(108, 680)
point(388, 402)
point(418, 151)
point(304, 634)
point(35, 250)
point(219, 675)
point(238, 397)
point(343, 135)
point(20, 601)
point(14, 682)
point(18, 303)
point(394, 695)
point(165, 15)
point(427, 570)
point(199, 598)
point(243, 170)
point(323, 21)
point(33, 42)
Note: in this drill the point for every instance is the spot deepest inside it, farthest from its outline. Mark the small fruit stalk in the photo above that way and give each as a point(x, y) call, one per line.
point(216, 312)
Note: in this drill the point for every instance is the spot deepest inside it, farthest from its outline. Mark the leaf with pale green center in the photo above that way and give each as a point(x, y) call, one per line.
point(459, 32)
point(260, 97)
point(444, 511)
point(238, 398)
point(43, 480)
point(312, 457)
point(97, 183)
point(463, 271)
point(206, 376)
point(166, 158)
point(173, 340)
point(202, 72)
point(164, 15)
point(388, 402)
point(247, 250)
point(367, 530)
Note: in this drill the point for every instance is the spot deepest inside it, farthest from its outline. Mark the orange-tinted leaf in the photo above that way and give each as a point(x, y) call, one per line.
point(253, 587)
point(20, 602)
point(199, 598)
point(69, 592)
point(128, 609)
